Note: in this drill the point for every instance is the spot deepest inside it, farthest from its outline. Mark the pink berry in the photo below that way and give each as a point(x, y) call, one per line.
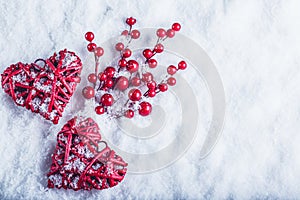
point(109, 83)
point(107, 100)
point(91, 47)
point(145, 108)
point(125, 33)
point(89, 36)
point(122, 83)
point(147, 53)
point(119, 46)
point(170, 33)
point(182, 65)
point(163, 87)
point(152, 63)
point(92, 78)
point(132, 66)
point(129, 114)
point(147, 77)
point(110, 71)
point(159, 48)
point(135, 81)
point(134, 94)
point(126, 53)
point(161, 32)
point(88, 92)
point(122, 63)
point(135, 34)
point(99, 51)
point(102, 76)
point(130, 21)
point(99, 110)
point(171, 81)
point(176, 27)
point(151, 85)
point(151, 93)
point(171, 70)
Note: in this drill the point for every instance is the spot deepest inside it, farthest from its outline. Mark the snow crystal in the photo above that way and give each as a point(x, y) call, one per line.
point(20, 100)
point(56, 179)
point(96, 166)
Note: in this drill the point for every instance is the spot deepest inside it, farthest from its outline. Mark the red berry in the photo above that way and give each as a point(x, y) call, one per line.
point(89, 36)
point(147, 77)
point(122, 83)
point(88, 92)
point(135, 34)
point(151, 85)
point(91, 47)
point(159, 48)
point(132, 66)
point(92, 78)
point(125, 33)
point(119, 46)
point(99, 110)
point(145, 108)
point(135, 81)
point(129, 114)
point(102, 76)
point(163, 87)
point(122, 63)
point(109, 83)
point(107, 100)
point(152, 63)
point(99, 51)
point(126, 53)
point(176, 27)
point(170, 33)
point(171, 70)
point(110, 71)
point(147, 53)
point(151, 93)
point(134, 94)
point(182, 65)
point(161, 32)
point(171, 81)
point(130, 21)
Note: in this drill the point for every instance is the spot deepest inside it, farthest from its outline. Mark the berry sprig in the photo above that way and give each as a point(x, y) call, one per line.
point(125, 89)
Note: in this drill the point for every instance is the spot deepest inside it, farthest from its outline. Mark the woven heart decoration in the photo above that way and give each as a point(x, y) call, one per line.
point(45, 86)
point(79, 162)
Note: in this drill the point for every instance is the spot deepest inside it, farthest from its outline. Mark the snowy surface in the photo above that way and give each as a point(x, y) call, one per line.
point(256, 48)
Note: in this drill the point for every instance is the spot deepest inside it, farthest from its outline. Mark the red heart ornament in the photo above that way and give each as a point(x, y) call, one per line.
point(46, 88)
point(79, 162)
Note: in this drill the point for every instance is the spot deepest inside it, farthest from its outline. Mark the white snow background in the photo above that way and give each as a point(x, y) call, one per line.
point(255, 46)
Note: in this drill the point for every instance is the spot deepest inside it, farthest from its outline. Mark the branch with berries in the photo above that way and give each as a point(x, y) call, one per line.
point(124, 90)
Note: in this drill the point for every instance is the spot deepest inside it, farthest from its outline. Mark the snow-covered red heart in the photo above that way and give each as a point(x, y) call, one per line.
point(45, 86)
point(79, 161)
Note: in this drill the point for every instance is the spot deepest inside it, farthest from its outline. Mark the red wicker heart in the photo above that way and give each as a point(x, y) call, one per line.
point(78, 161)
point(44, 88)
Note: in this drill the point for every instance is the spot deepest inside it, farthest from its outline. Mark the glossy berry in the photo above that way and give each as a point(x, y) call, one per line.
point(151, 85)
point(147, 53)
point(170, 33)
point(99, 110)
point(134, 94)
point(161, 33)
point(102, 76)
point(99, 51)
point(159, 48)
point(88, 92)
point(182, 65)
point(124, 33)
point(145, 108)
point(151, 93)
point(119, 46)
point(122, 83)
point(147, 77)
point(92, 78)
point(135, 81)
point(122, 63)
point(171, 81)
point(176, 27)
point(152, 63)
point(109, 83)
point(129, 114)
point(135, 34)
point(132, 66)
point(171, 70)
point(91, 47)
point(89, 36)
point(110, 71)
point(107, 100)
point(163, 87)
point(126, 53)
point(130, 21)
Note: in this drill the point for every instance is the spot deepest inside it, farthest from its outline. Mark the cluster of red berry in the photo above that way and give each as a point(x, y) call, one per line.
point(139, 78)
